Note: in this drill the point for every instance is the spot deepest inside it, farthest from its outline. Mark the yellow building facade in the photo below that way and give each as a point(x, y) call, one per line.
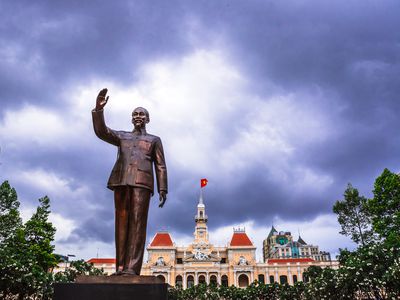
point(202, 262)
point(233, 264)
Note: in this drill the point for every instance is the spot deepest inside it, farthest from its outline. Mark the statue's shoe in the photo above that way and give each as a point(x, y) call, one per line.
point(119, 272)
point(129, 272)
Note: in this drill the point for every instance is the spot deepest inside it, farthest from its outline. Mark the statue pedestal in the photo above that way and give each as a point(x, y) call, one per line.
point(112, 288)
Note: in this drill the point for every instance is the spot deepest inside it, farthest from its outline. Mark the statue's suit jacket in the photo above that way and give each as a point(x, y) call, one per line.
point(136, 155)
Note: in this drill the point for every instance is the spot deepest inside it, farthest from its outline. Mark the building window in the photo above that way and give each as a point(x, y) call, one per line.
point(294, 278)
point(213, 280)
point(161, 277)
point(261, 278)
point(178, 281)
point(283, 279)
point(243, 281)
point(224, 280)
point(190, 281)
point(202, 279)
point(179, 261)
point(201, 214)
point(271, 279)
point(223, 260)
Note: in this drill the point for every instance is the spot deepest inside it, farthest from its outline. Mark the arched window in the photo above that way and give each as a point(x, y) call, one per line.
point(243, 281)
point(161, 277)
point(283, 279)
point(271, 279)
point(201, 214)
point(224, 280)
point(178, 281)
point(294, 278)
point(202, 279)
point(213, 280)
point(261, 278)
point(190, 281)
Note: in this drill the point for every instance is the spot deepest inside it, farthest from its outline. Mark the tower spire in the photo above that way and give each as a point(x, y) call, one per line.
point(201, 201)
point(201, 232)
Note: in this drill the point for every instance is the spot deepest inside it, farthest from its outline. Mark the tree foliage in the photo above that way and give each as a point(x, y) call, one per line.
point(384, 207)
point(78, 267)
point(10, 219)
point(353, 216)
point(372, 270)
point(26, 252)
point(256, 290)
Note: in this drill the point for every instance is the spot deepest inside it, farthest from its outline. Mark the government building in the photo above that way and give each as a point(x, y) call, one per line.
point(284, 260)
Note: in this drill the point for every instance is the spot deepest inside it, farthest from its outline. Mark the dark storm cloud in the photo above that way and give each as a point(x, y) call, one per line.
point(348, 49)
point(93, 229)
point(255, 198)
point(51, 45)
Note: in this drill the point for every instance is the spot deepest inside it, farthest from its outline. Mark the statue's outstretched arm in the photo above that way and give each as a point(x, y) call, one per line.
point(99, 125)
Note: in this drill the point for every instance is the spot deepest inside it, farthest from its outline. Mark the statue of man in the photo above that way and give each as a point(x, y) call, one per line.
point(132, 181)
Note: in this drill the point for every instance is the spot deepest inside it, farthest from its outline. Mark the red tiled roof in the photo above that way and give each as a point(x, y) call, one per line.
point(240, 239)
point(102, 260)
point(289, 260)
point(162, 239)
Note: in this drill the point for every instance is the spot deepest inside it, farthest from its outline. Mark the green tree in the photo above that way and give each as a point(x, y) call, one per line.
point(39, 233)
point(11, 236)
point(372, 270)
point(385, 207)
point(25, 250)
point(78, 267)
point(353, 216)
point(10, 219)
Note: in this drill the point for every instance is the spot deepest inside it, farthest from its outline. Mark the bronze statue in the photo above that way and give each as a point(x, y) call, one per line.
point(132, 181)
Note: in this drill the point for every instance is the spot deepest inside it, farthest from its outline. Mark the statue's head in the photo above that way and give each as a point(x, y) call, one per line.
point(140, 117)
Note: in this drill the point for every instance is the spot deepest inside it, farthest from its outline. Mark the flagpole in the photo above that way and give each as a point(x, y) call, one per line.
point(201, 195)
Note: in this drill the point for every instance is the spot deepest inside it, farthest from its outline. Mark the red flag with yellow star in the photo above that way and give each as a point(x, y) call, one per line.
point(203, 182)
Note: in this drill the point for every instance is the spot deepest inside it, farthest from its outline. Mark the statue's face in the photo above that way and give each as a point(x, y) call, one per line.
point(139, 117)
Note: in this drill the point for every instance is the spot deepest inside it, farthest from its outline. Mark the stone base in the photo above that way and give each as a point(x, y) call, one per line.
point(112, 288)
point(120, 279)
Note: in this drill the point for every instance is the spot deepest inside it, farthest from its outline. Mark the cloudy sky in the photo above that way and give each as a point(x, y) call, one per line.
point(279, 104)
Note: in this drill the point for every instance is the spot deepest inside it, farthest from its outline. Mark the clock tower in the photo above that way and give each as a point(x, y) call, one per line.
point(201, 231)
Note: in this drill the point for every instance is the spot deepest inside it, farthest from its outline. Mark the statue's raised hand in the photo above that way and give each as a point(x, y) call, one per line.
point(101, 100)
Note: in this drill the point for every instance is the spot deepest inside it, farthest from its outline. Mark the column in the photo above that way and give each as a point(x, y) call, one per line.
point(196, 281)
point(169, 277)
point(207, 277)
point(290, 279)
point(184, 280)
